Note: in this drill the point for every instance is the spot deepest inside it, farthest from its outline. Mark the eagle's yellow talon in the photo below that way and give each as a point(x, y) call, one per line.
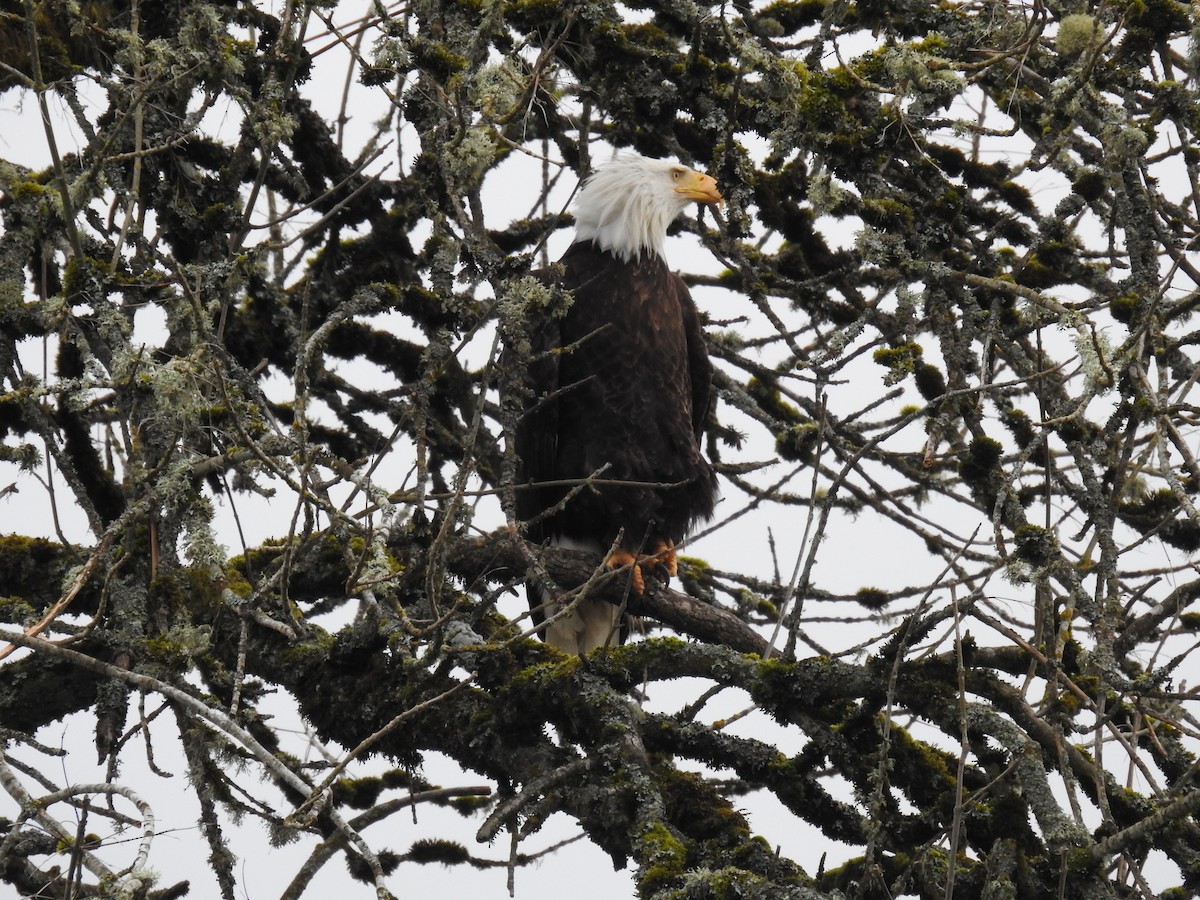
point(666, 557)
point(621, 558)
point(662, 564)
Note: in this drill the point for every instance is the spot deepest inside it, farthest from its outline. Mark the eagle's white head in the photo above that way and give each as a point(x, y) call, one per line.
point(626, 206)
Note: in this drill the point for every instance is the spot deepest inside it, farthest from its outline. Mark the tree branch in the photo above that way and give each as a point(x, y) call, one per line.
point(497, 557)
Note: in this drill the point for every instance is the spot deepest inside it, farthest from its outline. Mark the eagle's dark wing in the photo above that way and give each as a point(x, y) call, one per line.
point(699, 367)
point(621, 386)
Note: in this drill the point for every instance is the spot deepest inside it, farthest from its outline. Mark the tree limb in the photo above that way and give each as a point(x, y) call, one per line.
point(497, 557)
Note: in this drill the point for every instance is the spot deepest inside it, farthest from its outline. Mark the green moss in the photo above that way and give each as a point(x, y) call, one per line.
point(1017, 196)
point(980, 469)
point(1020, 426)
point(1067, 704)
point(764, 606)
point(358, 793)
point(358, 868)
point(435, 58)
point(900, 361)
point(434, 850)
point(80, 275)
point(17, 611)
point(165, 651)
point(1037, 546)
point(32, 568)
point(26, 190)
point(982, 459)
point(792, 15)
point(1080, 864)
point(1078, 429)
point(664, 859)
point(1053, 262)
point(1160, 19)
point(887, 868)
point(817, 679)
point(1090, 184)
point(921, 763)
point(932, 43)
point(700, 813)
point(770, 400)
point(468, 806)
point(1124, 308)
point(929, 380)
point(888, 214)
point(1190, 621)
point(309, 653)
point(237, 582)
point(1156, 511)
point(872, 597)
point(797, 443)
point(38, 551)
point(817, 101)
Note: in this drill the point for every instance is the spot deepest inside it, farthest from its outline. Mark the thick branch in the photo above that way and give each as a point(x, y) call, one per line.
point(497, 557)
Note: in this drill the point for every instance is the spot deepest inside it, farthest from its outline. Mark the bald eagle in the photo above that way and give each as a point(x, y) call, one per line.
point(620, 389)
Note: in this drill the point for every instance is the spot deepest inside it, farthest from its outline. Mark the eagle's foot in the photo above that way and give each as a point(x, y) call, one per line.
point(662, 564)
point(665, 560)
point(618, 559)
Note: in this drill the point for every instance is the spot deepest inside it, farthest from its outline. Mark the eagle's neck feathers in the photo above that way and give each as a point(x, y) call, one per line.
point(626, 207)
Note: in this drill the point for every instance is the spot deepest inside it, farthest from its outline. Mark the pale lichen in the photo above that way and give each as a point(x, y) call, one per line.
point(1077, 33)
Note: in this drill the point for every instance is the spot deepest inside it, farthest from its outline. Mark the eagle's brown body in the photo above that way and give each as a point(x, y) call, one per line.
point(630, 397)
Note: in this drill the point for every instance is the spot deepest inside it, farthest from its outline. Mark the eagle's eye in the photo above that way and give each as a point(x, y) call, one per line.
point(676, 174)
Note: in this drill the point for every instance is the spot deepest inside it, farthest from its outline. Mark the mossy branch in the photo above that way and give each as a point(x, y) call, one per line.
point(495, 558)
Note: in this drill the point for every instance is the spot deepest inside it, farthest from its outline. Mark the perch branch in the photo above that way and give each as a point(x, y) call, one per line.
point(495, 557)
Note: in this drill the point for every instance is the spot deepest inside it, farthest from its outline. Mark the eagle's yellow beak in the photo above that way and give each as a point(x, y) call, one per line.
point(698, 186)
